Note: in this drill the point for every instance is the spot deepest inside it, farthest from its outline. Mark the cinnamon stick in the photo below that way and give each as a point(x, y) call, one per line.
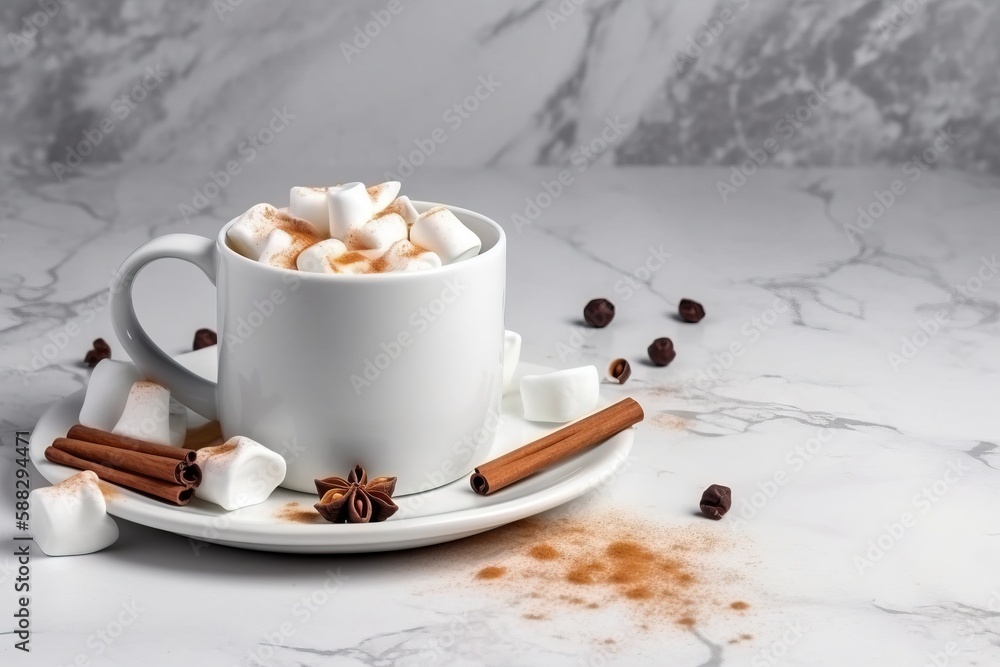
point(157, 467)
point(556, 446)
point(99, 437)
point(178, 494)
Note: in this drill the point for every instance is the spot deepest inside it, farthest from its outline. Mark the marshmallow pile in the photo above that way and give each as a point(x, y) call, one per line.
point(71, 518)
point(352, 229)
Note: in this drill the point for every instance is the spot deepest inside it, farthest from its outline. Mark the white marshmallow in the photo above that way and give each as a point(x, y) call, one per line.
point(403, 207)
point(560, 396)
point(378, 233)
point(441, 232)
point(250, 232)
point(348, 206)
point(108, 393)
point(383, 194)
point(71, 518)
point(147, 413)
point(511, 355)
point(238, 473)
point(317, 257)
point(309, 204)
point(405, 256)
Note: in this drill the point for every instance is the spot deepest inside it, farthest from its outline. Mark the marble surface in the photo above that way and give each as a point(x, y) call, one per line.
point(695, 81)
point(844, 379)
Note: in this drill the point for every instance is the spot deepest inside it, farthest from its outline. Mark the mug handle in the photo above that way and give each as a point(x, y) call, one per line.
point(189, 388)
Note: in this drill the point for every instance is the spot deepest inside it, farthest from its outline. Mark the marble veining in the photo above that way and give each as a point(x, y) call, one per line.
point(844, 405)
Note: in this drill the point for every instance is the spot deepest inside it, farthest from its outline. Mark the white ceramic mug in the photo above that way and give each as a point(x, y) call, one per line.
point(398, 372)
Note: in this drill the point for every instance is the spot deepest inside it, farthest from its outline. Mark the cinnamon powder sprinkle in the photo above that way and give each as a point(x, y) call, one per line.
point(491, 572)
point(296, 513)
point(543, 552)
point(663, 576)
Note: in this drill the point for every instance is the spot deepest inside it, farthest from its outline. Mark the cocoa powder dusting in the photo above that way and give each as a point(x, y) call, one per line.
point(660, 576)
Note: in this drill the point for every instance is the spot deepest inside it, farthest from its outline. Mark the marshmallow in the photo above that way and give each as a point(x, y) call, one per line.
point(511, 355)
point(146, 415)
point(309, 204)
point(282, 248)
point(238, 473)
point(403, 207)
point(71, 518)
point(560, 396)
point(378, 233)
point(441, 232)
point(405, 256)
point(108, 393)
point(348, 206)
point(250, 232)
point(317, 257)
point(383, 194)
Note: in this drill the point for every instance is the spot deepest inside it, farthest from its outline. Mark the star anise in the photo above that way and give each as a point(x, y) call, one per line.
point(355, 499)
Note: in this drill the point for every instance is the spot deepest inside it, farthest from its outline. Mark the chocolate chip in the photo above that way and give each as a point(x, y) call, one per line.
point(620, 370)
point(661, 352)
point(716, 501)
point(690, 311)
point(204, 338)
point(101, 351)
point(599, 313)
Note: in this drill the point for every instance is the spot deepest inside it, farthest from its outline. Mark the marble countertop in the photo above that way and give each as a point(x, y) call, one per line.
point(843, 384)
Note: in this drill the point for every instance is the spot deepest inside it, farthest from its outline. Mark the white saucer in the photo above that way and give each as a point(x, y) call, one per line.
point(440, 515)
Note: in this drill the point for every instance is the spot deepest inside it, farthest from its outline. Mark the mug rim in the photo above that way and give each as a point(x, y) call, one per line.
point(387, 275)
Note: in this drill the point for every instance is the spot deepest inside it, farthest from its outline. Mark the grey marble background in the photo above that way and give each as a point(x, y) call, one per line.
point(692, 82)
